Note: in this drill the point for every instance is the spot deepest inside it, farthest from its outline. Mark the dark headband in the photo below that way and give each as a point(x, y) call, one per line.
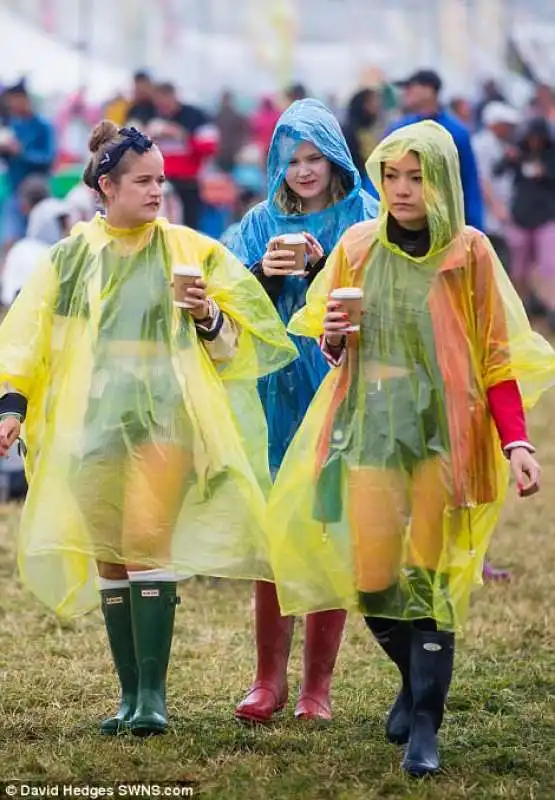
point(133, 140)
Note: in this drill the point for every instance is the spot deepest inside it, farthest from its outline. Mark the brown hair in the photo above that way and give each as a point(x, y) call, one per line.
point(103, 137)
point(289, 201)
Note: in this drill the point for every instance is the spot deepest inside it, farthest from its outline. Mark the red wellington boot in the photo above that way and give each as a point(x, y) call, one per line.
point(323, 632)
point(268, 693)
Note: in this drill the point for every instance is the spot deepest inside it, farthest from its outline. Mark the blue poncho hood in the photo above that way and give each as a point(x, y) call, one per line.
point(310, 121)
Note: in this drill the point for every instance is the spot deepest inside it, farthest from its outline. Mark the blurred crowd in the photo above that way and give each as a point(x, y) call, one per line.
point(215, 163)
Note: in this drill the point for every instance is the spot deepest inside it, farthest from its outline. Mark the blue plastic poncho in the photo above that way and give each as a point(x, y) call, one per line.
point(287, 394)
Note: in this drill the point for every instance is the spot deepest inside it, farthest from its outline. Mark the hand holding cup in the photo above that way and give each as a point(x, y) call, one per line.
point(190, 291)
point(285, 255)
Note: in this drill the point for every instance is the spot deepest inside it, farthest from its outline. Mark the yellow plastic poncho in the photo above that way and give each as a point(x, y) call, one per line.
point(389, 494)
point(137, 439)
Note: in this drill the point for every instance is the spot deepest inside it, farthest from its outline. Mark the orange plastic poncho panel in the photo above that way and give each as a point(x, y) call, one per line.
point(389, 494)
point(142, 449)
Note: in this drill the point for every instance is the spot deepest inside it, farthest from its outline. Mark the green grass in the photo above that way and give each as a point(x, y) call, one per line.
point(498, 741)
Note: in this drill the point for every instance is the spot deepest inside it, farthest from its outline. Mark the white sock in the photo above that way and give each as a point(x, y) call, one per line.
point(147, 575)
point(107, 583)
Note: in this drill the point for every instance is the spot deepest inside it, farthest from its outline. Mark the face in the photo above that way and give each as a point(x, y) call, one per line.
point(143, 89)
point(166, 102)
point(309, 175)
point(402, 188)
point(503, 131)
point(415, 96)
point(136, 198)
point(18, 105)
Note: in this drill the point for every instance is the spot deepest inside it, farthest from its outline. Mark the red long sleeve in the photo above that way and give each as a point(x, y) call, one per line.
point(505, 404)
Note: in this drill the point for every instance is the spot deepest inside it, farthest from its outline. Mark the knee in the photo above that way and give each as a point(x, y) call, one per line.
point(112, 572)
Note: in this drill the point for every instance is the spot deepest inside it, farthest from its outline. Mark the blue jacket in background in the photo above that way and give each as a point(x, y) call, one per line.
point(287, 394)
point(473, 201)
point(38, 148)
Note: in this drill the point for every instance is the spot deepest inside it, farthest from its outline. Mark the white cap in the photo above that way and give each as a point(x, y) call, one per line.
point(496, 113)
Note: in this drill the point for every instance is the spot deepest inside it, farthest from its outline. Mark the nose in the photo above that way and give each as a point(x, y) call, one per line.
point(403, 188)
point(304, 169)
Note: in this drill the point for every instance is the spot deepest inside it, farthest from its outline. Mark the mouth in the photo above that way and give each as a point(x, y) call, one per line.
point(402, 206)
point(154, 206)
point(308, 184)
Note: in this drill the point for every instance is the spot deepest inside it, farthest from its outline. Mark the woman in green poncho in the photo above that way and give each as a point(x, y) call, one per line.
point(413, 432)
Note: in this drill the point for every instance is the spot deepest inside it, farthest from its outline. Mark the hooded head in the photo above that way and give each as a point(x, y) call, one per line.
point(309, 121)
point(49, 221)
point(441, 182)
point(304, 121)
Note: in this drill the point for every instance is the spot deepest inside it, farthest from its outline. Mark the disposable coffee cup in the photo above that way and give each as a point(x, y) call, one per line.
point(183, 278)
point(295, 242)
point(351, 298)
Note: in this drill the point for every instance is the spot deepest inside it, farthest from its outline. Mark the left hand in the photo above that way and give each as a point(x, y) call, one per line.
point(314, 250)
point(526, 471)
point(196, 298)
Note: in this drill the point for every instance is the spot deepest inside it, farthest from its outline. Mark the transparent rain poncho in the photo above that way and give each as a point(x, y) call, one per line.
point(286, 395)
point(137, 438)
point(388, 496)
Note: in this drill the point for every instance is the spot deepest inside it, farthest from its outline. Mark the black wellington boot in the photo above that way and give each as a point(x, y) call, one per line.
point(431, 669)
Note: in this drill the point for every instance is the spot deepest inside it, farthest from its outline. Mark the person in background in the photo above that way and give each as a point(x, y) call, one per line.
point(421, 100)
point(246, 199)
point(73, 123)
point(490, 93)
point(142, 109)
point(363, 129)
point(263, 122)
point(49, 221)
point(531, 237)
point(233, 129)
point(187, 138)
point(297, 91)
point(490, 146)
point(461, 109)
point(27, 145)
point(543, 106)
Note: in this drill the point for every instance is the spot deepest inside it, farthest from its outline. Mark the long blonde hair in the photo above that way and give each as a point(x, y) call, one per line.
point(289, 201)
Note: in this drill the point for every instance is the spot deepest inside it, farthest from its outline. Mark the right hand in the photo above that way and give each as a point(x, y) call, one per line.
point(10, 428)
point(276, 262)
point(335, 322)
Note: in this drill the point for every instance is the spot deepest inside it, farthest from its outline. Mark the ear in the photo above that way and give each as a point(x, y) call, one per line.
point(106, 186)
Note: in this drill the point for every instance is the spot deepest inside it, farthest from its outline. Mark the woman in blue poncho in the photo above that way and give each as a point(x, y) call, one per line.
point(313, 188)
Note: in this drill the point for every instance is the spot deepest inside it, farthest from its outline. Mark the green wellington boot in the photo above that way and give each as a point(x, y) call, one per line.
point(152, 613)
point(116, 608)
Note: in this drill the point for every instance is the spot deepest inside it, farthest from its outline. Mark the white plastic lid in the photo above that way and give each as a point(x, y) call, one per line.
point(187, 272)
point(347, 293)
point(292, 238)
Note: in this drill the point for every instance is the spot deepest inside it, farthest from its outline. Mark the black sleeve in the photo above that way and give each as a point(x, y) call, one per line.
point(318, 267)
point(273, 286)
point(14, 403)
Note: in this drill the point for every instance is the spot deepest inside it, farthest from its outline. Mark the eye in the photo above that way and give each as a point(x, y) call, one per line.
point(417, 178)
point(389, 176)
point(293, 162)
point(315, 158)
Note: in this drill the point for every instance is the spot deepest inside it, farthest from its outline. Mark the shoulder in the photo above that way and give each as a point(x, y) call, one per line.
point(358, 238)
point(191, 116)
point(458, 131)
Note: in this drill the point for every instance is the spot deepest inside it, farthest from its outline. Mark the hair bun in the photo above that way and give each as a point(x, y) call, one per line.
point(103, 133)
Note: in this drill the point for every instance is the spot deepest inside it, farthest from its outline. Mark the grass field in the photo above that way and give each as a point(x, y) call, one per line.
point(56, 682)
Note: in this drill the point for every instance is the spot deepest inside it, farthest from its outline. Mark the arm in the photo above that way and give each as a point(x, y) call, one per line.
point(219, 334)
point(41, 150)
point(502, 391)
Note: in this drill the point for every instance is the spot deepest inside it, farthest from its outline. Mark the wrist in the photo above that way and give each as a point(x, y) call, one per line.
point(334, 340)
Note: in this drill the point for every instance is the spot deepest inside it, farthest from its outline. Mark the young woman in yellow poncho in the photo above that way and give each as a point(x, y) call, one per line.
point(413, 433)
point(138, 417)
